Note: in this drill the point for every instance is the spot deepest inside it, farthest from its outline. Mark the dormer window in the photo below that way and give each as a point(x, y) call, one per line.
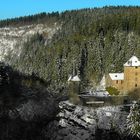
point(135, 61)
point(115, 75)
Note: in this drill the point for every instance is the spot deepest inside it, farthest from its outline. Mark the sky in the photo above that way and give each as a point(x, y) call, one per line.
point(16, 8)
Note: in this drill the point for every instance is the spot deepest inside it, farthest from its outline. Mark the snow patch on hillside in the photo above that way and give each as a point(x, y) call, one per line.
point(12, 38)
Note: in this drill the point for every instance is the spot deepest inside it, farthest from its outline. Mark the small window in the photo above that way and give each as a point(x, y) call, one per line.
point(121, 81)
point(115, 75)
point(136, 85)
point(117, 82)
point(136, 67)
point(135, 61)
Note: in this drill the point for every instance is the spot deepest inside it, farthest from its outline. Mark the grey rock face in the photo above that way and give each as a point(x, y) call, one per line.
point(81, 123)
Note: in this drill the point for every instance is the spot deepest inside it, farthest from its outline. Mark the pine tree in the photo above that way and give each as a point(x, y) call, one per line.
point(133, 120)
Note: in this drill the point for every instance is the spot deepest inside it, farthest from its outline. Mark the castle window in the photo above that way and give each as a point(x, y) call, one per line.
point(117, 82)
point(136, 85)
point(121, 81)
point(136, 67)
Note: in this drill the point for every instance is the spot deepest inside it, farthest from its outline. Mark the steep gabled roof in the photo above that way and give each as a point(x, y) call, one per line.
point(116, 76)
point(74, 78)
point(132, 62)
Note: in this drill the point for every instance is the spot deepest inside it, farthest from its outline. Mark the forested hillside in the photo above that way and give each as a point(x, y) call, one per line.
point(90, 43)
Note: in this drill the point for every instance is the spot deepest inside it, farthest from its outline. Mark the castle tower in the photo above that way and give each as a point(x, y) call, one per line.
point(131, 74)
point(74, 88)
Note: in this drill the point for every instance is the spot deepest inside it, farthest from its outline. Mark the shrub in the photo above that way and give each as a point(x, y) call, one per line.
point(112, 90)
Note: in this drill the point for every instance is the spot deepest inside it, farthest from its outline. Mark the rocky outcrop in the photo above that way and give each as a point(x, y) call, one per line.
point(82, 123)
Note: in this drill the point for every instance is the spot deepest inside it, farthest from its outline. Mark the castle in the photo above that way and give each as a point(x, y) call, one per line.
point(129, 80)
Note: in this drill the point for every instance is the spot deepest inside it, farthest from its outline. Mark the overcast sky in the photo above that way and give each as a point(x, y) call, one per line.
point(16, 8)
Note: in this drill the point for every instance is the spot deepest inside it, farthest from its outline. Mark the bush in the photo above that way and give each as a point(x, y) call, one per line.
point(112, 91)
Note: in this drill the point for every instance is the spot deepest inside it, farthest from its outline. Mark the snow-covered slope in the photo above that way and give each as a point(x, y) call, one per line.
point(12, 38)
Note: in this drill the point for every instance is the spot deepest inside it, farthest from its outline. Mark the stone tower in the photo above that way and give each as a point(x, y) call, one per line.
point(74, 88)
point(131, 74)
